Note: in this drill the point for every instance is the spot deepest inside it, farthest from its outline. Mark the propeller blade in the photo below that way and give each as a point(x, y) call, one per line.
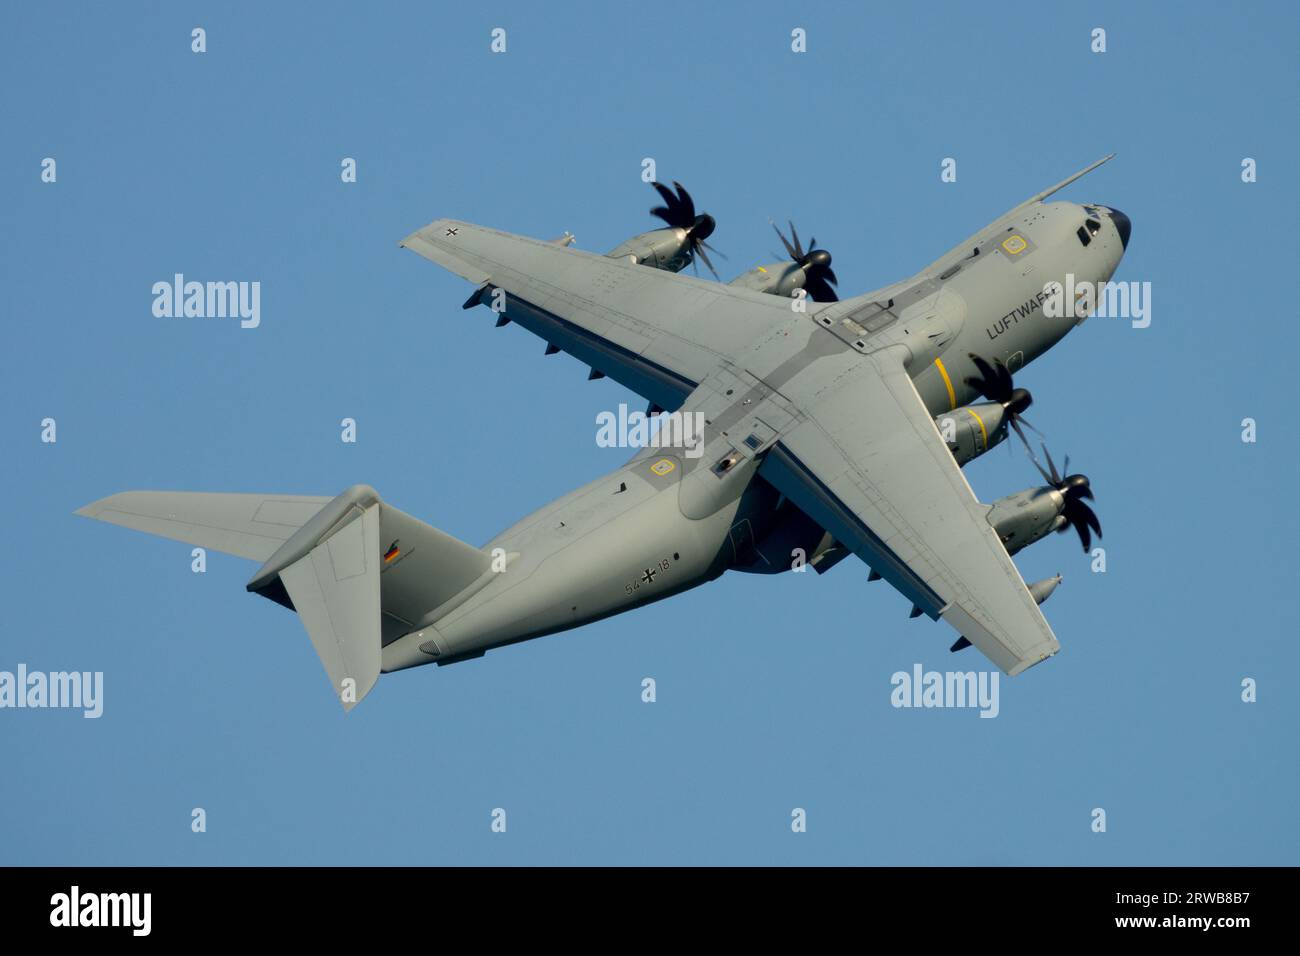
point(986, 382)
point(794, 236)
point(819, 291)
point(829, 275)
point(1056, 475)
point(1041, 470)
point(669, 211)
point(676, 211)
point(1089, 516)
point(788, 248)
point(1081, 526)
point(670, 200)
point(697, 249)
point(687, 204)
point(1077, 492)
point(1004, 377)
point(1015, 425)
point(714, 251)
point(982, 366)
point(1024, 421)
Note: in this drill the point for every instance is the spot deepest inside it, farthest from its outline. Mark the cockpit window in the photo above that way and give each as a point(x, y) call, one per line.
point(1094, 226)
point(1084, 238)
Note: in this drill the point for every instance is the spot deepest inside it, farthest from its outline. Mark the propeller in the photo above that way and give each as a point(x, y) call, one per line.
point(816, 264)
point(994, 383)
point(1074, 488)
point(679, 212)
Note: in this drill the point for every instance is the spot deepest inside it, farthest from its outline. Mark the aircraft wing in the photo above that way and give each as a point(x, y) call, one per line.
point(867, 462)
point(656, 332)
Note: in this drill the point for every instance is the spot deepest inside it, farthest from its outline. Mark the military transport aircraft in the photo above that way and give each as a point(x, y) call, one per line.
point(830, 428)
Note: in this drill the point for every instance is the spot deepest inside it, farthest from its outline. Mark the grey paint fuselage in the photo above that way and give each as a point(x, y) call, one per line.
point(666, 522)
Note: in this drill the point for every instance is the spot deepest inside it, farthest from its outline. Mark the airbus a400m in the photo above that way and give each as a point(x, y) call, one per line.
point(832, 430)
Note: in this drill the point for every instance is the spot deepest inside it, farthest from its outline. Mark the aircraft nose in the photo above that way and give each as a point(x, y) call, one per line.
point(1123, 224)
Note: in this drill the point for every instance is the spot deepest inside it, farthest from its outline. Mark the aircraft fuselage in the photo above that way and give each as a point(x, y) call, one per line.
point(667, 521)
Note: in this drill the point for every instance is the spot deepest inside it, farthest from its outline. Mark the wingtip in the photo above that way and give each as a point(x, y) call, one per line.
point(1023, 666)
point(418, 234)
point(92, 509)
point(97, 507)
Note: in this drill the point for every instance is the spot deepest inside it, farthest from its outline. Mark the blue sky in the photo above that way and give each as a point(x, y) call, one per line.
point(225, 166)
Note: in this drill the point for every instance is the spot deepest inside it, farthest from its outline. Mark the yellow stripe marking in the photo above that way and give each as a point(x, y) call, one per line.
point(983, 430)
point(952, 396)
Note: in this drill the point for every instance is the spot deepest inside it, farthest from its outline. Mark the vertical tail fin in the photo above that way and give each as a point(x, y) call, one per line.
point(359, 570)
point(335, 589)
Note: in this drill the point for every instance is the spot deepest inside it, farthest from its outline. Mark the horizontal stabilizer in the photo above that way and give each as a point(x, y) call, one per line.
point(250, 526)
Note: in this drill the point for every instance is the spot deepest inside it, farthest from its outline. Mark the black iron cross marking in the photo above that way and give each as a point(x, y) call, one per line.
point(649, 576)
point(453, 230)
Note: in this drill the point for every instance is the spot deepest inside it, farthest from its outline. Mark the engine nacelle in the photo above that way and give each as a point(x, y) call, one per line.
point(972, 430)
point(666, 249)
point(1027, 516)
point(774, 278)
point(1040, 591)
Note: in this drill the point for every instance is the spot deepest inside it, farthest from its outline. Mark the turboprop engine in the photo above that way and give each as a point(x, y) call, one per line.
point(1029, 515)
point(972, 430)
point(676, 247)
point(809, 270)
